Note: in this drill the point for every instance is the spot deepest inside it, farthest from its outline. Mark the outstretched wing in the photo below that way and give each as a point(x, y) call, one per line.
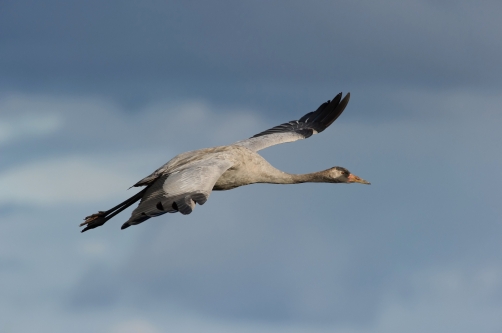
point(178, 191)
point(311, 123)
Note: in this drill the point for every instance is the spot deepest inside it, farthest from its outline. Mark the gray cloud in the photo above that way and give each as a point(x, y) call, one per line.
point(332, 257)
point(309, 256)
point(102, 93)
point(237, 52)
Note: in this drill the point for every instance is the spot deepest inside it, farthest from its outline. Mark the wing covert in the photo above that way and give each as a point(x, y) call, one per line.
point(180, 190)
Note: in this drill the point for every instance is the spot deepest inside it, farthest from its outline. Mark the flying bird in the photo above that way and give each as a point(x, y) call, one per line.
point(189, 178)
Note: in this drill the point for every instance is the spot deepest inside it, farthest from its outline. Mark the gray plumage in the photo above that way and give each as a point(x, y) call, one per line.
point(189, 178)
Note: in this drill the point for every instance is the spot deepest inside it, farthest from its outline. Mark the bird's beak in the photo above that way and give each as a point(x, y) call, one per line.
point(355, 179)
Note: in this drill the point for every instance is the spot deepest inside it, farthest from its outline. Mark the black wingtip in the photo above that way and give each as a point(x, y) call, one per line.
point(337, 98)
point(346, 99)
point(125, 226)
point(343, 103)
point(327, 113)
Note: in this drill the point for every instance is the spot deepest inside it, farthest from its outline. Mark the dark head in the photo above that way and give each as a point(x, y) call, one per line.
point(342, 175)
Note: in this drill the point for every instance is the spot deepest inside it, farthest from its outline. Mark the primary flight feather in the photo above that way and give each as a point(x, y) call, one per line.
point(189, 178)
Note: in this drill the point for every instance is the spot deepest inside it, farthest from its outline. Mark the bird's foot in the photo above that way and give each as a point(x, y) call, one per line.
point(94, 220)
point(90, 218)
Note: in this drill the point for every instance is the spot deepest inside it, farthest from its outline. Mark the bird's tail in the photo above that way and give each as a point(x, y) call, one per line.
point(100, 218)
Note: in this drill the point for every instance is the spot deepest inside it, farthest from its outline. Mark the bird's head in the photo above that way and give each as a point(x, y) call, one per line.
point(341, 175)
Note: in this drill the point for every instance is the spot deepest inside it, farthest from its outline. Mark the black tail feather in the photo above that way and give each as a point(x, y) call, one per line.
point(100, 218)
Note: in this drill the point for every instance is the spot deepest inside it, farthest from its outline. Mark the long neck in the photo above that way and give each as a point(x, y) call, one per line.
point(280, 177)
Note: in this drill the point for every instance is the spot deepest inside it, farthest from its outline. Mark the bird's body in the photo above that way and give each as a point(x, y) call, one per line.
point(190, 177)
point(247, 167)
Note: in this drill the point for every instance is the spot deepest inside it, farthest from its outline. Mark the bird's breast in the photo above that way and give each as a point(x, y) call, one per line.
point(232, 178)
point(245, 172)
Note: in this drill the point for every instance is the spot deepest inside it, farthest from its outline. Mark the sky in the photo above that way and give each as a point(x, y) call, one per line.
point(96, 95)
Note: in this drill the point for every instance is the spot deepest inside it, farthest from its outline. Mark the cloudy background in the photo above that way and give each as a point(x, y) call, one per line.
point(95, 95)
